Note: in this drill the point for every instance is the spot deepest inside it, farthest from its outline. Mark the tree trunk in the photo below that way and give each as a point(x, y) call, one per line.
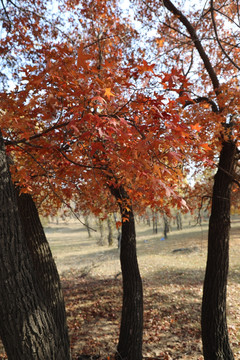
point(154, 220)
point(214, 323)
point(101, 229)
point(165, 226)
point(179, 221)
point(110, 230)
point(45, 270)
point(87, 225)
point(27, 328)
point(130, 338)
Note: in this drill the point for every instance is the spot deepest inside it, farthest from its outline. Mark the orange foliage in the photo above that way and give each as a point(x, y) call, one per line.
point(83, 116)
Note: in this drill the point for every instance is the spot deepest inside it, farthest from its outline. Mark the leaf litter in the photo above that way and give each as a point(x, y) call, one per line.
point(172, 284)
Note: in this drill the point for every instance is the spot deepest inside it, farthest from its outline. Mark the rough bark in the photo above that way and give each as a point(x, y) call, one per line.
point(130, 338)
point(214, 323)
point(27, 329)
point(45, 270)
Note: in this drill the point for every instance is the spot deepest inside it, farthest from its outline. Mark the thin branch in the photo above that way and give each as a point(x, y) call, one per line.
point(232, 176)
point(190, 65)
point(133, 123)
point(80, 164)
point(165, 24)
point(36, 136)
point(123, 106)
point(42, 17)
point(52, 188)
point(217, 38)
point(226, 16)
point(6, 13)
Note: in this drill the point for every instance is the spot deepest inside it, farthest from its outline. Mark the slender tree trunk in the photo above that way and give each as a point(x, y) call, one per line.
point(87, 225)
point(154, 220)
point(214, 324)
point(27, 328)
point(179, 221)
point(110, 230)
point(45, 270)
point(165, 226)
point(130, 339)
point(101, 229)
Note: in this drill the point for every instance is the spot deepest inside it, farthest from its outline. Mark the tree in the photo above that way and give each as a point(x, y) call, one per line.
point(131, 332)
point(214, 323)
point(204, 45)
point(45, 270)
point(28, 329)
point(89, 133)
point(88, 119)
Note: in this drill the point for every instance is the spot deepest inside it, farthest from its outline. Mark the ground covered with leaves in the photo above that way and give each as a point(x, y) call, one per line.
point(172, 270)
point(172, 283)
point(172, 304)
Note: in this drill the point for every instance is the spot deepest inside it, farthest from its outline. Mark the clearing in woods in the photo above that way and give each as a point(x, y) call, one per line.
point(172, 272)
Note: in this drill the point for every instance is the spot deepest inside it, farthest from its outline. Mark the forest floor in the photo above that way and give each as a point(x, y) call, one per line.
point(172, 270)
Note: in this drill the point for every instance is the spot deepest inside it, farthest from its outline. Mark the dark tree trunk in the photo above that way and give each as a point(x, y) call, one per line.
point(130, 338)
point(214, 324)
point(155, 225)
point(165, 226)
point(27, 328)
point(45, 270)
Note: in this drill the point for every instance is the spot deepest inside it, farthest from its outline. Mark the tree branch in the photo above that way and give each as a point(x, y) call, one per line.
point(36, 136)
point(217, 38)
point(202, 99)
point(52, 188)
point(7, 16)
point(79, 164)
point(42, 17)
point(208, 66)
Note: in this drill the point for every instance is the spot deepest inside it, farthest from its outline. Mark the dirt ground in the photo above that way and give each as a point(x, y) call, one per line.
point(172, 282)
